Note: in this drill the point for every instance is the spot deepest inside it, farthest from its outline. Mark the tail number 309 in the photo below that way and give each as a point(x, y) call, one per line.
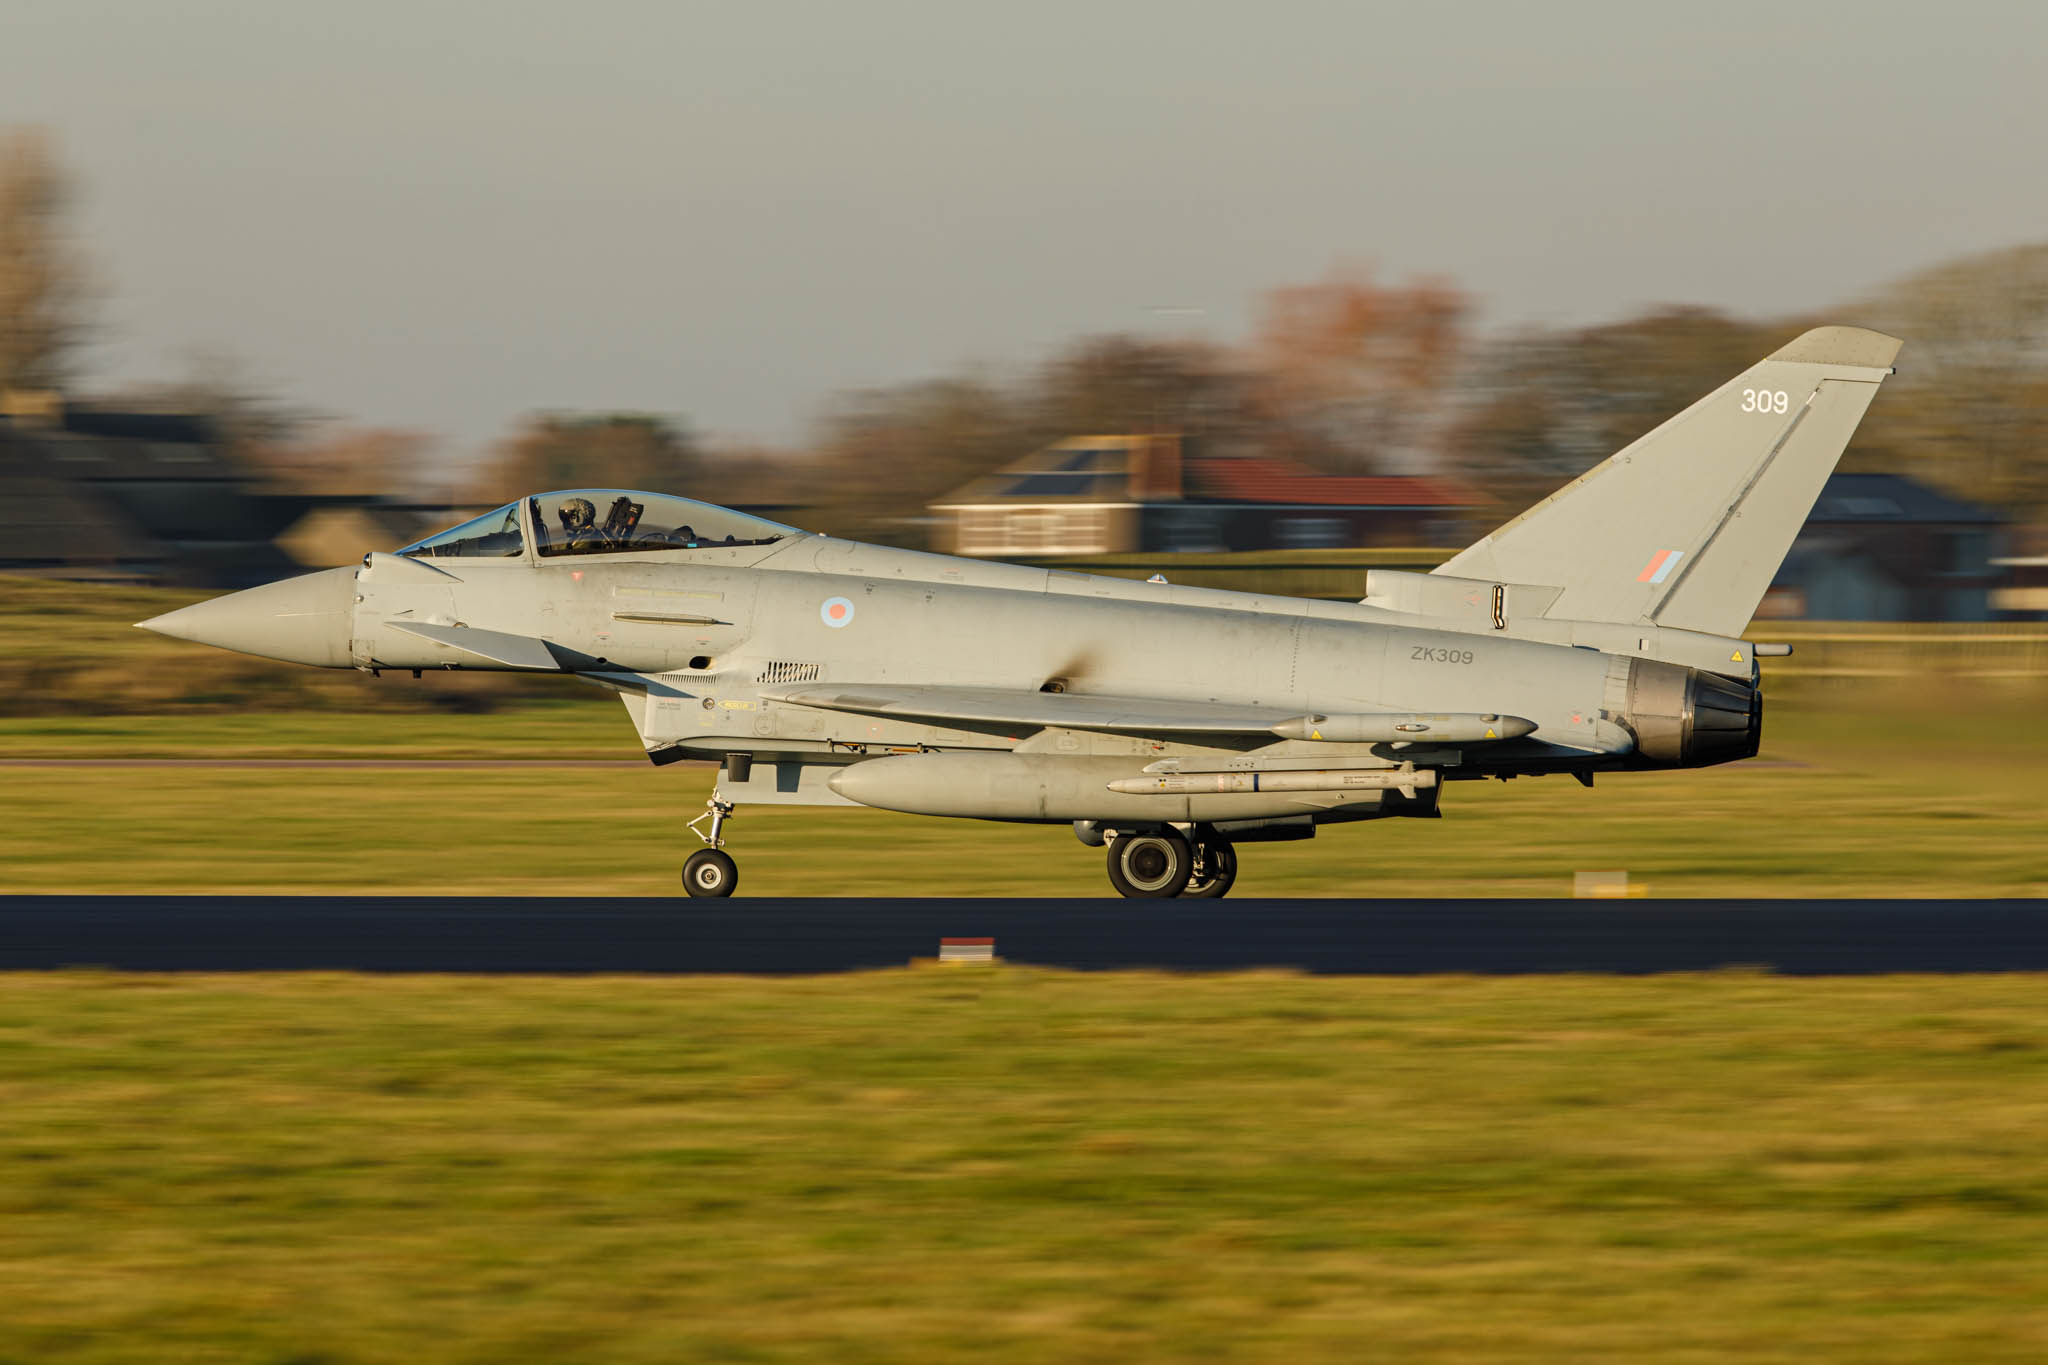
point(1766, 400)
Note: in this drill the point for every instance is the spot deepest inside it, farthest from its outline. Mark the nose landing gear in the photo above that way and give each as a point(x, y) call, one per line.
point(710, 871)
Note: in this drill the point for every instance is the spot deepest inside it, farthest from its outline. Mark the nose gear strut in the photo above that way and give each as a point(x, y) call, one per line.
point(717, 812)
point(710, 871)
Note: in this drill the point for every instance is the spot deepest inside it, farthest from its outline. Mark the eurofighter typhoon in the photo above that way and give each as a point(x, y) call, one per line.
point(1600, 631)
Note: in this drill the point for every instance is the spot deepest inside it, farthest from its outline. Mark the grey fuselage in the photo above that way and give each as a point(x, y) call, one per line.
point(694, 638)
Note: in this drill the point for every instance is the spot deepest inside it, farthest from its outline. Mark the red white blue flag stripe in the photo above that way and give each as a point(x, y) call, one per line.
point(1660, 566)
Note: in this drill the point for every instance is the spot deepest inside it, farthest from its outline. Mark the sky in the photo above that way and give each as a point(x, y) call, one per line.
point(442, 215)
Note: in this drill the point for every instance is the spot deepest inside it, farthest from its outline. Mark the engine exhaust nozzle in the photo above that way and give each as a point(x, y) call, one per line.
point(1684, 718)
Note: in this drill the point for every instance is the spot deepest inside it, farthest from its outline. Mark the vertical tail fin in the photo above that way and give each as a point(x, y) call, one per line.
point(1687, 526)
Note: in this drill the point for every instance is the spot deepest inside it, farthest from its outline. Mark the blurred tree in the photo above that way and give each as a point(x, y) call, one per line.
point(1968, 409)
point(1345, 373)
point(882, 454)
point(354, 460)
point(1359, 371)
point(1542, 407)
point(1120, 384)
point(552, 451)
point(219, 387)
point(1967, 412)
point(42, 282)
point(757, 476)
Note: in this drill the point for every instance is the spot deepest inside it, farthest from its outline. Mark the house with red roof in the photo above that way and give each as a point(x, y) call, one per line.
point(1113, 494)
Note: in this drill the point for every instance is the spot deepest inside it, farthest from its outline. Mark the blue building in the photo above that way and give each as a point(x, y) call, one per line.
point(1883, 547)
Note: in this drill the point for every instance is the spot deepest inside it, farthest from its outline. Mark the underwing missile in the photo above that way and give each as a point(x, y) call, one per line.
point(1404, 780)
point(1382, 728)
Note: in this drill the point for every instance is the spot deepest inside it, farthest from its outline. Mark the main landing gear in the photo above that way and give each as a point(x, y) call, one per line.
point(710, 871)
point(1161, 864)
point(1215, 869)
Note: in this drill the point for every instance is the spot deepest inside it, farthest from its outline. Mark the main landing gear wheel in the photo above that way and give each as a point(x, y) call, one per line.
point(1149, 866)
point(1214, 871)
point(710, 872)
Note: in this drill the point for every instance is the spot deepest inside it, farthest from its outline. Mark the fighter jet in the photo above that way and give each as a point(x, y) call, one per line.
point(1601, 631)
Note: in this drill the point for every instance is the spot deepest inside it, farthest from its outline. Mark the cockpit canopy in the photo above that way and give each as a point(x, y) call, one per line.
point(494, 535)
point(597, 521)
point(593, 521)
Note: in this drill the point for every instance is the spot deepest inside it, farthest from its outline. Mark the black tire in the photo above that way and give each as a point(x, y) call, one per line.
point(1216, 870)
point(710, 872)
point(1150, 867)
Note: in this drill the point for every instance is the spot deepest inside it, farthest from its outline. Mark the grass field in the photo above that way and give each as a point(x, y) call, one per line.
point(72, 649)
point(1021, 1166)
point(572, 727)
point(1908, 797)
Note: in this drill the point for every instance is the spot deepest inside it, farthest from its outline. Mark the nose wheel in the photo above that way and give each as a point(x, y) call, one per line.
point(710, 871)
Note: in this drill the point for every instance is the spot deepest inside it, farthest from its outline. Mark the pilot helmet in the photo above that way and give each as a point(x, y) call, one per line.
point(577, 512)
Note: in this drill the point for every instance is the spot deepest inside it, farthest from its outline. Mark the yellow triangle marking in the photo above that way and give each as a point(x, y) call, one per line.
point(1491, 735)
point(1315, 734)
point(1736, 657)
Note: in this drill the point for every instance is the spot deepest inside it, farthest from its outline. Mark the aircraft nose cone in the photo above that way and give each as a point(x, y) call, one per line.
point(303, 620)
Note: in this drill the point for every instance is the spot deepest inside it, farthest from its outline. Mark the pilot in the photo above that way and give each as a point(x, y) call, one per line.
point(579, 525)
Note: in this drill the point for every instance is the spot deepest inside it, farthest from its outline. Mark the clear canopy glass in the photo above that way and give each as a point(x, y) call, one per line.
point(494, 534)
point(599, 521)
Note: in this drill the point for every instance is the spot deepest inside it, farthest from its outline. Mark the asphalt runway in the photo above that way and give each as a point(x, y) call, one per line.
point(568, 936)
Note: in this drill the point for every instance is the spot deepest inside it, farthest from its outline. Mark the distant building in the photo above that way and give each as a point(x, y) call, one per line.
point(338, 530)
point(1091, 495)
point(1883, 547)
point(151, 497)
point(2022, 592)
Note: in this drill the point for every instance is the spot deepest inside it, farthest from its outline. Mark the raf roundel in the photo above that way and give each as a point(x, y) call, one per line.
point(835, 612)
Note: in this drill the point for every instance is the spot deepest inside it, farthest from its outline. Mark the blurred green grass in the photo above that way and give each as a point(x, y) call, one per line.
point(1022, 1166)
point(72, 649)
point(1905, 796)
point(551, 727)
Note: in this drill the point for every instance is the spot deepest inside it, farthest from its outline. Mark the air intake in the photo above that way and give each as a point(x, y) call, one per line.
point(789, 673)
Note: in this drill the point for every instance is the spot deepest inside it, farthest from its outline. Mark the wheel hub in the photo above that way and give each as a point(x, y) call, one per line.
point(1147, 864)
